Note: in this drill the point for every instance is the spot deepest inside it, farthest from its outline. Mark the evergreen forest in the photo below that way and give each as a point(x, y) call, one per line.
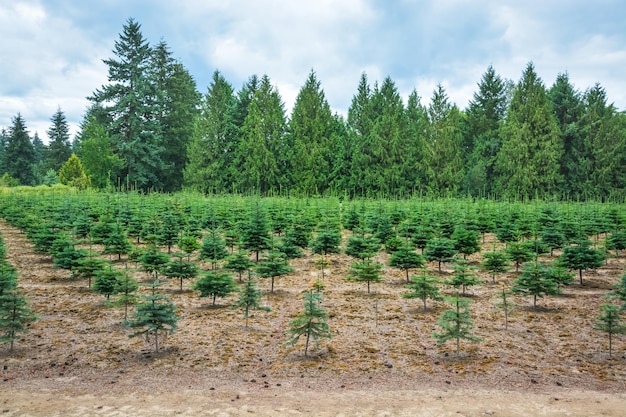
point(151, 129)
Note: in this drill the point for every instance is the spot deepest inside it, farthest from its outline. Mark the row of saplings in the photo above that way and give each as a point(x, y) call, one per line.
point(155, 315)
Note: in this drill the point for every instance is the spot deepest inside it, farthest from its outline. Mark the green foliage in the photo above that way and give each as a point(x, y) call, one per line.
point(154, 316)
point(249, 298)
point(153, 261)
point(180, 268)
point(366, 270)
point(617, 241)
point(276, 264)
point(610, 321)
point(214, 284)
point(424, 287)
point(456, 324)
point(361, 247)
point(581, 257)
point(19, 154)
point(14, 316)
point(506, 305)
point(127, 289)
point(466, 241)
point(496, 263)
point(519, 253)
point(406, 258)
point(440, 250)
point(463, 277)
point(88, 268)
point(311, 323)
point(213, 248)
point(73, 173)
point(117, 242)
point(59, 149)
point(327, 241)
point(255, 234)
point(238, 262)
point(107, 281)
point(8, 277)
point(535, 280)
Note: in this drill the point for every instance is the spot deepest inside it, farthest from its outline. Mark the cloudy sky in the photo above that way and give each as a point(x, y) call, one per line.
point(52, 50)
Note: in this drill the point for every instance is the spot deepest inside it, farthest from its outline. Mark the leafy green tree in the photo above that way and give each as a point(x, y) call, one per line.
point(366, 270)
point(359, 123)
point(424, 287)
point(95, 149)
point(19, 154)
point(238, 262)
point(188, 243)
point(213, 248)
point(527, 164)
point(14, 316)
point(154, 316)
point(59, 149)
point(249, 298)
point(274, 265)
point(406, 258)
point(463, 277)
point(311, 323)
point(107, 281)
point(610, 321)
point(495, 263)
point(310, 131)
point(130, 103)
point(73, 173)
point(456, 324)
point(215, 284)
point(536, 281)
point(581, 257)
point(214, 141)
point(181, 269)
point(440, 250)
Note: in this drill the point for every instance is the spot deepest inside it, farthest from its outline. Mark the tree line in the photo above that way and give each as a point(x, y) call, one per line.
point(149, 128)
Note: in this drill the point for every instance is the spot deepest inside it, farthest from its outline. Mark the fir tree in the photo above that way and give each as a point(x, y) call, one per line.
point(238, 262)
point(466, 241)
point(249, 298)
point(88, 268)
point(153, 261)
point(213, 248)
point(19, 154)
point(366, 270)
point(311, 323)
point(518, 253)
point(14, 316)
point(107, 281)
point(181, 269)
point(496, 263)
point(361, 246)
point(274, 265)
point(506, 305)
point(255, 236)
point(463, 277)
point(59, 149)
point(535, 281)
point(440, 250)
point(456, 324)
point(406, 258)
point(8, 277)
point(610, 321)
point(154, 316)
point(117, 243)
point(127, 290)
point(73, 173)
point(424, 287)
point(214, 284)
point(581, 257)
point(327, 240)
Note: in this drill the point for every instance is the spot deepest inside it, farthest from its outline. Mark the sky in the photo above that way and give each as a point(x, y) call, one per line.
point(51, 51)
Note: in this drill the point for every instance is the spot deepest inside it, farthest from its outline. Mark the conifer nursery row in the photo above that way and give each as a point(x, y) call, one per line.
point(225, 247)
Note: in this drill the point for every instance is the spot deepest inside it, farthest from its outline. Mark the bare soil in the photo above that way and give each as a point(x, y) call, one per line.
point(77, 359)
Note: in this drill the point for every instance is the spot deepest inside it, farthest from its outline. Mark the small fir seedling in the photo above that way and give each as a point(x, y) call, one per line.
point(107, 281)
point(127, 292)
point(311, 323)
point(506, 305)
point(456, 324)
point(154, 317)
point(15, 315)
point(463, 277)
point(535, 281)
point(273, 266)
point(249, 298)
point(424, 287)
point(366, 270)
point(610, 321)
point(406, 258)
point(181, 269)
point(215, 284)
point(440, 250)
point(238, 262)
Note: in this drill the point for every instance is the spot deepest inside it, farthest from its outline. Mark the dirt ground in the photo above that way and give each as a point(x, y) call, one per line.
point(77, 359)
